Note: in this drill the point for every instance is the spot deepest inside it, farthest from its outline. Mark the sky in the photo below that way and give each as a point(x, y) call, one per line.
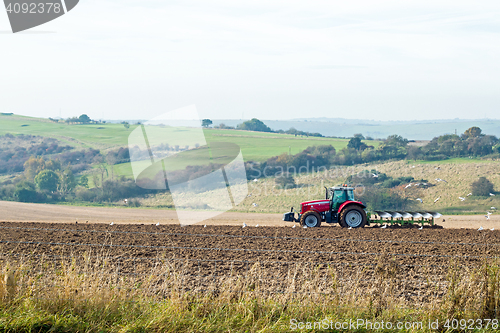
point(381, 60)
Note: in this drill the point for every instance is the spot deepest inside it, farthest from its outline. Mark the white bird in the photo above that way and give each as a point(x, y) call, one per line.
point(205, 226)
point(489, 213)
point(437, 199)
point(493, 208)
point(157, 224)
point(487, 217)
point(412, 166)
point(469, 194)
point(480, 228)
point(249, 195)
point(244, 224)
point(255, 205)
point(293, 226)
point(305, 227)
point(417, 184)
point(255, 180)
point(461, 198)
point(112, 223)
point(349, 228)
point(437, 168)
point(440, 180)
point(256, 225)
point(491, 194)
point(421, 228)
point(418, 199)
point(492, 229)
point(374, 175)
point(407, 186)
point(385, 226)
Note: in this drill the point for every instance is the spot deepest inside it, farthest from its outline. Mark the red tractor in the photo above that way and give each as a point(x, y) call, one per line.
point(339, 206)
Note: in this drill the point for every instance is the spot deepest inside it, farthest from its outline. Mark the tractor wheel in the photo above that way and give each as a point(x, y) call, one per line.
point(310, 219)
point(353, 217)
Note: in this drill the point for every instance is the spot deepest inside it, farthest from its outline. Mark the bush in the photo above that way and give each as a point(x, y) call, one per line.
point(134, 203)
point(482, 187)
point(285, 181)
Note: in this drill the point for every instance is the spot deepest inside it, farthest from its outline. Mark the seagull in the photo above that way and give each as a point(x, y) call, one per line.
point(437, 168)
point(256, 225)
point(255, 205)
point(255, 180)
point(489, 213)
point(412, 166)
point(157, 224)
point(305, 227)
point(421, 201)
point(469, 194)
point(440, 180)
point(112, 223)
point(422, 227)
point(487, 217)
point(493, 208)
point(491, 194)
point(417, 184)
point(407, 186)
point(480, 228)
point(244, 224)
point(293, 226)
point(437, 199)
point(205, 226)
point(492, 229)
point(461, 198)
point(349, 228)
point(385, 226)
point(374, 175)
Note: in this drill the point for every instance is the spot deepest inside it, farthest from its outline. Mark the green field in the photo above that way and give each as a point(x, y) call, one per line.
point(255, 146)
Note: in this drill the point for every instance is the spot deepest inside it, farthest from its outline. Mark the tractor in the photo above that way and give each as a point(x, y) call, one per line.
point(339, 206)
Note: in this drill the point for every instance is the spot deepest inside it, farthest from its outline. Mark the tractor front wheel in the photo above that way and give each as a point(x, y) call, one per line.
point(310, 219)
point(352, 217)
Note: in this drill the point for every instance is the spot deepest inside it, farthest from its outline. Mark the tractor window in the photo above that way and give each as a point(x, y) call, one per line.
point(350, 195)
point(338, 196)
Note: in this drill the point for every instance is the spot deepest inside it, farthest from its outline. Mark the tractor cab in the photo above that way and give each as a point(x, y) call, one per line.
point(339, 195)
point(339, 206)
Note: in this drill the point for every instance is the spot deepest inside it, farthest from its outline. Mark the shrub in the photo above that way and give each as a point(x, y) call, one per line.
point(285, 181)
point(482, 187)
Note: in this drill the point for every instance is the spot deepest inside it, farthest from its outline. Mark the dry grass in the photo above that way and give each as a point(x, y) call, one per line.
point(88, 294)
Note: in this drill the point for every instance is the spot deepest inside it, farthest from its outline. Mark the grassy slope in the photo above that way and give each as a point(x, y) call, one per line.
point(255, 146)
point(459, 173)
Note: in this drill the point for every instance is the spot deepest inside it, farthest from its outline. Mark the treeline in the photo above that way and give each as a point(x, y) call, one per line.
point(470, 144)
point(257, 125)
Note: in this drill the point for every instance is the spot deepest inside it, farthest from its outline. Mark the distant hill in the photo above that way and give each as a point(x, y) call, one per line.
point(413, 130)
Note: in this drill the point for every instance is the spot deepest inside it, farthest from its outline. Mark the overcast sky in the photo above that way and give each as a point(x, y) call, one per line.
point(384, 60)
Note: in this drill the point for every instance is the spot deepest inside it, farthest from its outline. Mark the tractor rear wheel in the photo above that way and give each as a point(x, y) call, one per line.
point(310, 219)
point(352, 217)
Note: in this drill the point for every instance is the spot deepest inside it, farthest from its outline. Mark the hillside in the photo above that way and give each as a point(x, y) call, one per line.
point(255, 146)
point(458, 173)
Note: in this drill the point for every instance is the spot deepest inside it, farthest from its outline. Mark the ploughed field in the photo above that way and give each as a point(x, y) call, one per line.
point(323, 260)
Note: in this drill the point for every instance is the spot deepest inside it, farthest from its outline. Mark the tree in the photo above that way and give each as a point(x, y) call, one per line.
point(355, 143)
point(26, 192)
point(68, 181)
point(473, 132)
point(84, 119)
point(206, 122)
point(254, 125)
point(482, 187)
point(47, 180)
point(84, 181)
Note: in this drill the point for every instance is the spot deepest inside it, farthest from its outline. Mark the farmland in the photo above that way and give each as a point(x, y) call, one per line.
point(256, 146)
